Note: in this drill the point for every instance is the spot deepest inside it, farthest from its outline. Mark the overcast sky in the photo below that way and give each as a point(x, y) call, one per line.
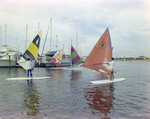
point(83, 21)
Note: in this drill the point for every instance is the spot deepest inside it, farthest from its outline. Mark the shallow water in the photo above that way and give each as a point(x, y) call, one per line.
point(68, 94)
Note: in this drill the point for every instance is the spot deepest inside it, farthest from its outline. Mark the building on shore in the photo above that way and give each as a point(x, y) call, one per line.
point(132, 58)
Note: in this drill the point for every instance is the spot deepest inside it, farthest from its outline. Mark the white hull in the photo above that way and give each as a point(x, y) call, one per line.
point(9, 56)
point(64, 63)
point(7, 63)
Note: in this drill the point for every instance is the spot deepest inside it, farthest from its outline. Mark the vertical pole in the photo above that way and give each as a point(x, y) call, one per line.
point(15, 60)
point(9, 62)
point(26, 35)
point(77, 41)
point(38, 27)
point(50, 32)
point(0, 35)
point(16, 42)
point(70, 53)
point(5, 34)
point(56, 41)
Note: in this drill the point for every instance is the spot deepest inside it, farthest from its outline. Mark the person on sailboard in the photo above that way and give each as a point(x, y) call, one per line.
point(111, 68)
point(29, 67)
point(72, 63)
point(57, 62)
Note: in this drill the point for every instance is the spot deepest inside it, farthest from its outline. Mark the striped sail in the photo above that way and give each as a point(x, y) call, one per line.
point(75, 57)
point(31, 52)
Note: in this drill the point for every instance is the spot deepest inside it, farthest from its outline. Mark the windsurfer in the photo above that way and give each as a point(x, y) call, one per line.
point(29, 67)
point(111, 68)
point(72, 63)
point(57, 62)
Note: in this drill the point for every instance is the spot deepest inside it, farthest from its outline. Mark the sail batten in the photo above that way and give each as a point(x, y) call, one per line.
point(100, 53)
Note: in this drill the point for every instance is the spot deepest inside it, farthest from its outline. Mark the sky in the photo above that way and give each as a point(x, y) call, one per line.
point(77, 22)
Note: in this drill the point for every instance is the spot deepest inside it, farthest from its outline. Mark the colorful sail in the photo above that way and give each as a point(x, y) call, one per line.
point(31, 52)
point(57, 58)
point(100, 54)
point(75, 57)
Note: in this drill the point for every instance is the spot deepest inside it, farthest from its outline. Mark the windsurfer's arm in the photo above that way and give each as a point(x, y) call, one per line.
point(106, 63)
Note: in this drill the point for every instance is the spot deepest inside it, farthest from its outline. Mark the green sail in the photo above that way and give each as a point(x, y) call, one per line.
point(75, 57)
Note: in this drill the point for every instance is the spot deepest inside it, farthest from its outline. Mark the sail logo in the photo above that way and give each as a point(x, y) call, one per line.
point(102, 44)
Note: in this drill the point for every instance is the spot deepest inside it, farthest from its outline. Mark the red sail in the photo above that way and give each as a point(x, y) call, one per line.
point(100, 53)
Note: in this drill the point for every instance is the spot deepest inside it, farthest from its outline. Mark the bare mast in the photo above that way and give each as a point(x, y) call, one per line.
point(50, 32)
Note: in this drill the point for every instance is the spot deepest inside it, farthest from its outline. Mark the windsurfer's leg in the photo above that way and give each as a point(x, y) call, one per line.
point(31, 73)
point(113, 75)
point(110, 76)
point(27, 73)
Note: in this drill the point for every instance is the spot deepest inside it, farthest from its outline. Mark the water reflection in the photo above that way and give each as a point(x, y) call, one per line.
point(57, 74)
point(75, 75)
point(101, 76)
point(31, 99)
point(100, 98)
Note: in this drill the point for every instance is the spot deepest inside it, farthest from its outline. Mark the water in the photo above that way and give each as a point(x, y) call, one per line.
point(68, 94)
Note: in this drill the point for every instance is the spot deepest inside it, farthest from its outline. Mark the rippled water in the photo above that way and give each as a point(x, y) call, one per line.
point(68, 94)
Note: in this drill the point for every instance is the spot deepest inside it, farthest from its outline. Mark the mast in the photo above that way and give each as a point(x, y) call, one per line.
point(46, 37)
point(38, 27)
point(50, 32)
point(71, 44)
point(26, 36)
point(16, 42)
point(77, 41)
point(56, 41)
point(0, 35)
point(62, 49)
point(5, 34)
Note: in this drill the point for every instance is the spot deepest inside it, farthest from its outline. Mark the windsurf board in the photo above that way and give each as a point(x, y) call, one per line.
point(26, 78)
point(59, 68)
point(108, 81)
point(75, 68)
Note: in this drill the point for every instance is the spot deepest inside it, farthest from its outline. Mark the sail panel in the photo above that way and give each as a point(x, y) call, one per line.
point(73, 55)
point(72, 49)
point(79, 62)
point(100, 53)
point(32, 50)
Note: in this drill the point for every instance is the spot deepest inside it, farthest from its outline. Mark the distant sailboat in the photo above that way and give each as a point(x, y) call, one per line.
point(75, 57)
point(31, 52)
point(57, 58)
point(100, 53)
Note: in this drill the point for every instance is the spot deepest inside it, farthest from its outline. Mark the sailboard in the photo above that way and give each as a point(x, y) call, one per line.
point(75, 57)
point(76, 60)
point(108, 81)
point(31, 52)
point(75, 68)
point(100, 55)
point(26, 78)
point(59, 68)
point(57, 58)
